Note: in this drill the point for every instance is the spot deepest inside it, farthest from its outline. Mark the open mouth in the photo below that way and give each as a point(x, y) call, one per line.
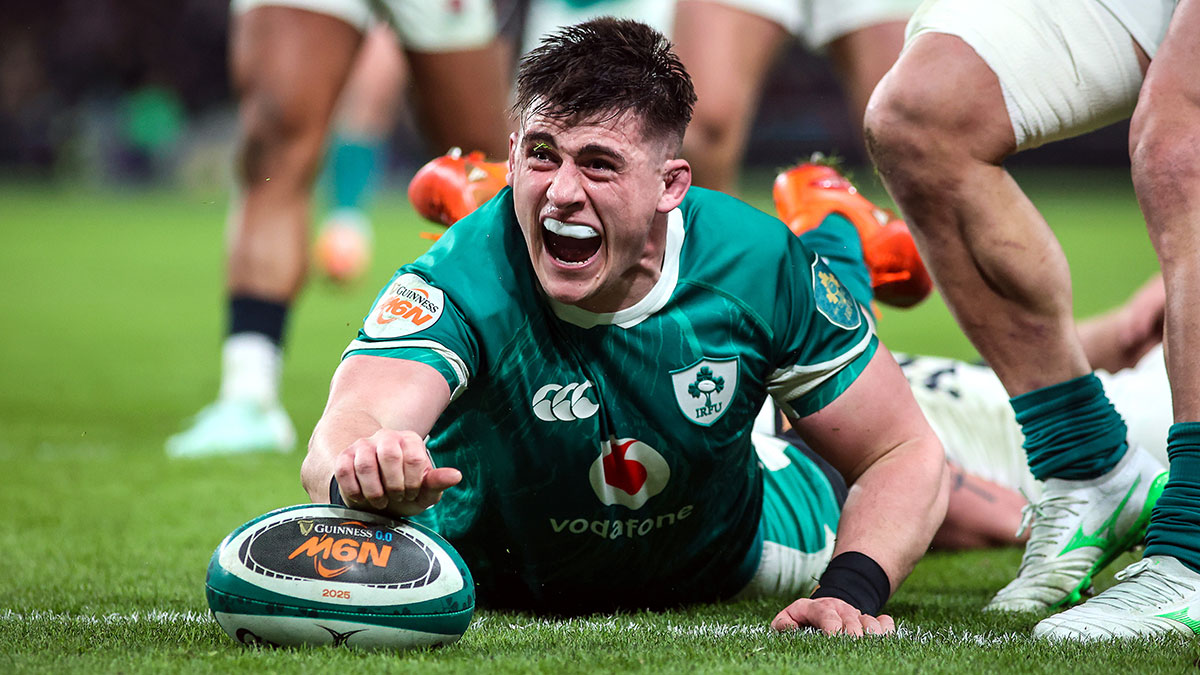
point(570, 243)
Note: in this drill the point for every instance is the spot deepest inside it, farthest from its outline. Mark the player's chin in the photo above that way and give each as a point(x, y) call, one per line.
point(571, 282)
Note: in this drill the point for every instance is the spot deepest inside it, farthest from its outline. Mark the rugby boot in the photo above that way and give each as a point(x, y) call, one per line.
point(1077, 528)
point(1154, 597)
point(449, 187)
point(232, 427)
point(807, 193)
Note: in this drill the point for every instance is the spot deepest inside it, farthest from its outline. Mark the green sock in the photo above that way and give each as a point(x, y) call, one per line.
point(1175, 523)
point(352, 168)
point(836, 240)
point(1071, 429)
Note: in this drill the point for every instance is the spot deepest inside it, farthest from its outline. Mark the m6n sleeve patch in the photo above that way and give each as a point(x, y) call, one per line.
point(410, 305)
point(832, 299)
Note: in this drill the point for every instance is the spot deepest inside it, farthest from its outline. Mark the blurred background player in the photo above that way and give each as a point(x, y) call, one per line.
point(730, 45)
point(356, 161)
point(289, 60)
point(977, 83)
point(543, 17)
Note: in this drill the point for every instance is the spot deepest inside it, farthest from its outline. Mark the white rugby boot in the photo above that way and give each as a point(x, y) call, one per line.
point(233, 427)
point(1156, 596)
point(1077, 528)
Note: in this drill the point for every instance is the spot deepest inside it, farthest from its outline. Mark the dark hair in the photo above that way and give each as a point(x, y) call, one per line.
point(599, 69)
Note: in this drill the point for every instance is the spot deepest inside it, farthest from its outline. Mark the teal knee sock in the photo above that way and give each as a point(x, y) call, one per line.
point(836, 240)
point(1071, 430)
point(352, 171)
point(1175, 523)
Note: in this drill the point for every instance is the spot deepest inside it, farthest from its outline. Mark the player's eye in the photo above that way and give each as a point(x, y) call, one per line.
point(541, 152)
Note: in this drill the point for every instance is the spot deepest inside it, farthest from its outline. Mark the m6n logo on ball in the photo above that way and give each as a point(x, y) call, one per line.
point(335, 549)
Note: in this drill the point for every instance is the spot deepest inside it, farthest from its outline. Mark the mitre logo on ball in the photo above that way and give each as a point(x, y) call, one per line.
point(704, 389)
point(628, 472)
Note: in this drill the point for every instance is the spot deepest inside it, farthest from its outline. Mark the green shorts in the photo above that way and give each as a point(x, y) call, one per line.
point(801, 506)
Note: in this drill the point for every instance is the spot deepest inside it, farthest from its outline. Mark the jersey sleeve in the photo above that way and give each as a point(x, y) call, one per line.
point(415, 320)
point(824, 338)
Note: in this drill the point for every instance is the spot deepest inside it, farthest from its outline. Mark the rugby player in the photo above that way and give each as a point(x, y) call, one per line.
point(574, 369)
point(975, 84)
point(964, 402)
point(289, 60)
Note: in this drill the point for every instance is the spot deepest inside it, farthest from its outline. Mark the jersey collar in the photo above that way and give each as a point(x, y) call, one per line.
point(648, 305)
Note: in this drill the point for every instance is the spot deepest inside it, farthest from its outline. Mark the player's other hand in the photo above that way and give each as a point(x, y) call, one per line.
point(832, 617)
point(391, 472)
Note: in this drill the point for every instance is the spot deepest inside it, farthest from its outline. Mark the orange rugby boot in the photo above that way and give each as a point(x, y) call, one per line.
point(449, 187)
point(807, 193)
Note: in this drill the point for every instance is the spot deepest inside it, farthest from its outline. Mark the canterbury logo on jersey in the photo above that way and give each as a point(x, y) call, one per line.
point(557, 403)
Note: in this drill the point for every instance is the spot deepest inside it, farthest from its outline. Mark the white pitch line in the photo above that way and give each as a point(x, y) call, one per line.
point(110, 619)
point(581, 627)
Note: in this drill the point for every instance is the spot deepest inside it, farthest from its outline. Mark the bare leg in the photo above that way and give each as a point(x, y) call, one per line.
point(287, 88)
point(1165, 150)
point(861, 59)
point(728, 53)
point(463, 98)
point(374, 92)
point(1165, 137)
point(981, 514)
point(938, 131)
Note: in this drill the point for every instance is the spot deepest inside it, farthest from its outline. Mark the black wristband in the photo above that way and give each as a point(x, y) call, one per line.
point(856, 579)
point(335, 494)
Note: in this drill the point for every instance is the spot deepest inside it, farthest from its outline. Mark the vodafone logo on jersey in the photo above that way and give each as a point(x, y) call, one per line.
point(408, 306)
point(556, 403)
point(628, 472)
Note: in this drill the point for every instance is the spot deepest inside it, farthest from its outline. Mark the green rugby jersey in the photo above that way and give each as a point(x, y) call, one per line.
point(606, 458)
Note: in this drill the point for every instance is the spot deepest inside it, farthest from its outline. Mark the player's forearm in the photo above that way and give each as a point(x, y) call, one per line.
point(895, 507)
point(336, 430)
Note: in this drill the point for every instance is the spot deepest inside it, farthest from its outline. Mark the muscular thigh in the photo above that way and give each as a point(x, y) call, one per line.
point(288, 88)
point(1064, 67)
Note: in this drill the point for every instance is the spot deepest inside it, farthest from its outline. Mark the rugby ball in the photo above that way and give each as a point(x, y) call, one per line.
point(319, 574)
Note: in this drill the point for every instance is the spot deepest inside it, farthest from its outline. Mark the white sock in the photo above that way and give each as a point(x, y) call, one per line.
point(251, 366)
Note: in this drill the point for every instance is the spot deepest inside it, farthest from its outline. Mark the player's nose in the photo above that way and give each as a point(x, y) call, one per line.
point(566, 188)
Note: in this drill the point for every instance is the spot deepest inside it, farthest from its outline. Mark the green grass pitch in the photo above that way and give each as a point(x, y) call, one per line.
point(112, 318)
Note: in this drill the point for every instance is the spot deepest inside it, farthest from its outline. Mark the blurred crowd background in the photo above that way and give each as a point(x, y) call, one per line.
point(137, 91)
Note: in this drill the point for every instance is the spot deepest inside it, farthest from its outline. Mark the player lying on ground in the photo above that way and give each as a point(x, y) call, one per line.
point(965, 403)
point(586, 355)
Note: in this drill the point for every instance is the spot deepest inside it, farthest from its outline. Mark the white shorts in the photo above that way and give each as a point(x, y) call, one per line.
point(546, 16)
point(421, 25)
point(1065, 67)
point(819, 22)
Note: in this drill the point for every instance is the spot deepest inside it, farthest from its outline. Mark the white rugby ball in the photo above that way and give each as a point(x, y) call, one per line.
point(318, 574)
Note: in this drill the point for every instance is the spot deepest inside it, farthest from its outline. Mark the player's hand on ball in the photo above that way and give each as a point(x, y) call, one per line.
point(832, 617)
point(391, 472)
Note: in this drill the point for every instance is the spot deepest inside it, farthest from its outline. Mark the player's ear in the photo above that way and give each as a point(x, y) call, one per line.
point(512, 148)
point(677, 178)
